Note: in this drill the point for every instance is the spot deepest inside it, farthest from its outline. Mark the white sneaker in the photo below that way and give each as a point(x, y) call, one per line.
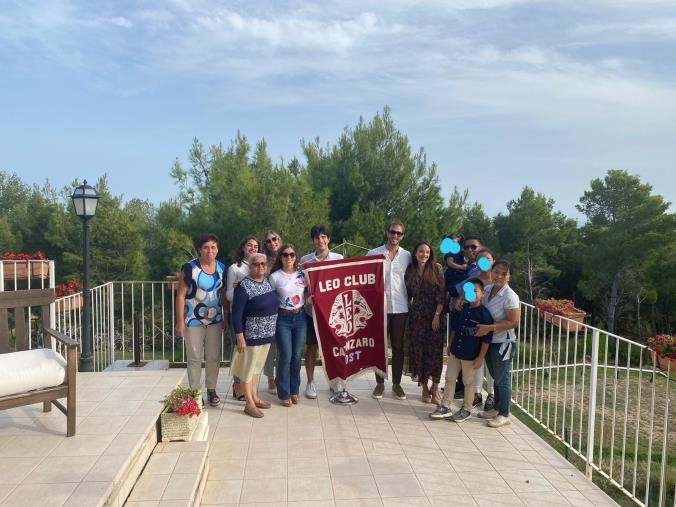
point(311, 391)
point(499, 421)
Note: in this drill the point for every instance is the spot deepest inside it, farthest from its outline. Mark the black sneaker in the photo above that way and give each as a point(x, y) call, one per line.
point(478, 400)
point(490, 403)
point(214, 400)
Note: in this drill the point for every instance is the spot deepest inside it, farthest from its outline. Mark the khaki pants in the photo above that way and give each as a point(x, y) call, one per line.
point(198, 340)
point(452, 370)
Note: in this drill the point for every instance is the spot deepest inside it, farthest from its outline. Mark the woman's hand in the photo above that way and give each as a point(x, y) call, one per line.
point(458, 303)
point(435, 323)
point(241, 344)
point(309, 299)
point(180, 328)
point(484, 329)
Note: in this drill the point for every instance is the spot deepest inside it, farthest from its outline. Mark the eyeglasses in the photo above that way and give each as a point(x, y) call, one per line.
point(289, 254)
point(271, 240)
point(258, 264)
point(396, 233)
point(471, 247)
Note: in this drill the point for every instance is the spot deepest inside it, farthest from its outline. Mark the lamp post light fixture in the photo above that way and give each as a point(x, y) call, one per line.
point(85, 200)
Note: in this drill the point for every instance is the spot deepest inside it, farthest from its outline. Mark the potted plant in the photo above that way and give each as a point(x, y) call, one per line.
point(663, 347)
point(555, 309)
point(17, 265)
point(63, 290)
point(182, 410)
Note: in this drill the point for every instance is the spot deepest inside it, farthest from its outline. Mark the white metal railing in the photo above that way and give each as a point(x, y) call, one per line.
point(598, 394)
point(113, 329)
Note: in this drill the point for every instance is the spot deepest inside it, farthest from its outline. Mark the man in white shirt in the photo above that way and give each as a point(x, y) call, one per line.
point(397, 260)
point(321, 237)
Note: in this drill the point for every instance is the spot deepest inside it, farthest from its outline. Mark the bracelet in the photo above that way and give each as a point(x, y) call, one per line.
point(436, 314)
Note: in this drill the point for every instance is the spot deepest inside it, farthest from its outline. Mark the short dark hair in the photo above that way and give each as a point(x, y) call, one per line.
point(207, 237)
point(475, 238)
point(475, 280)
point(486, 251)
point(319, 229)
point(505, 263)
point(397, 222)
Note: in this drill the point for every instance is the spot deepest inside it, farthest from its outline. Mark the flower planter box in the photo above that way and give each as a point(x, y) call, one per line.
point(178, 427)
point(662, 362)
point(566, 325)
point(20, 270)
point(70, 304)
point(171, 281)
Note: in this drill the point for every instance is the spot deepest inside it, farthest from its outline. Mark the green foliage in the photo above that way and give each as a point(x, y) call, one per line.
point(622, 258)
point(628, 228)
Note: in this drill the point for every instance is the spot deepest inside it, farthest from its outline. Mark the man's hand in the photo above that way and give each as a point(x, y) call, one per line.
point(483, 330)
point(478, 363)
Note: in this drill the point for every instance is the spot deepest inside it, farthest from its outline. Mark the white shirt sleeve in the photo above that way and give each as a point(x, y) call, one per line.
point(511, 301)
point(231, 282)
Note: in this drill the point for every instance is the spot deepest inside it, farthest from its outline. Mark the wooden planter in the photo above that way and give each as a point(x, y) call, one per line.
point(567, 325)
point(22, 270)
point(70, 304)
point(175, 427)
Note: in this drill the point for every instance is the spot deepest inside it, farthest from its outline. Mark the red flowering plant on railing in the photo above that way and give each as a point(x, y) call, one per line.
point(664, 345)
point(184, 401)
point(564, 307)
point(11, 256)
point(66, 289)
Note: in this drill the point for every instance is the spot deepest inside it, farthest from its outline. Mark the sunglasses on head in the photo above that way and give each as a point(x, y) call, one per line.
point(270, 240)
point(471, 247)
point(396, 233)
point(289, 254)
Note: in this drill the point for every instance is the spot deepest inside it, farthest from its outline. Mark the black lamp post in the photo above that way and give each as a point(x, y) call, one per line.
point(85, 200)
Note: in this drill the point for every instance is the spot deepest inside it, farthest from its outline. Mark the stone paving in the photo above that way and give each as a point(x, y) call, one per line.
point(380, 453)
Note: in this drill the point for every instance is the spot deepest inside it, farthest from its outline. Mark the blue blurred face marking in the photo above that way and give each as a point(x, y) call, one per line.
point(470, 294)
point(484, 264)
point(449, 246)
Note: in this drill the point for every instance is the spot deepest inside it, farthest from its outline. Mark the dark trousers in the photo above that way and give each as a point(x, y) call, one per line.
point(396, 325)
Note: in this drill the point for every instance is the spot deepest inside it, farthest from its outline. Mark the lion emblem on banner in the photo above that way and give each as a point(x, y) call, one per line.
point(349, 313)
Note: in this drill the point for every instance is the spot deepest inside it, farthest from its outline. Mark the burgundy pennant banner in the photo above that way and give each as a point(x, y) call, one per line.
point(350, 315)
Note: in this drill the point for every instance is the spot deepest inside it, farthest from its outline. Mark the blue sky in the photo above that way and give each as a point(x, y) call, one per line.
point(500, 93)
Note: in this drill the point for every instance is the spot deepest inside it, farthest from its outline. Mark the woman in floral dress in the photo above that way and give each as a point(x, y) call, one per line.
point(427, 321)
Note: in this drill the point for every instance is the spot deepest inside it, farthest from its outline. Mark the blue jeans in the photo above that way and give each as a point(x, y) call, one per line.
point(290, 338)
point(501, 372)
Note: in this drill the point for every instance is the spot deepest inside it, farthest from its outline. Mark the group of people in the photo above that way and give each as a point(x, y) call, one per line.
point(264, 300)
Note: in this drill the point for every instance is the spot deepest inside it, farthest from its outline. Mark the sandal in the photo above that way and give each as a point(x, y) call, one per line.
point(241, 397)
point(425, 397)
point(295, 399)
point(253, 412)
point(214, 400)
point(436, 396)
point(272, 385)
point(286, 403)
point(262, 404)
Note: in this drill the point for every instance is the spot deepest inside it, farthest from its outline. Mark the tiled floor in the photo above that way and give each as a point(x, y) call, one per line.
point(380, 453)
point(40, 466)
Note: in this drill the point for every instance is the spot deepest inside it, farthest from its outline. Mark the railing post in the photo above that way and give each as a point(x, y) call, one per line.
point(111, 320)
point(591, 409)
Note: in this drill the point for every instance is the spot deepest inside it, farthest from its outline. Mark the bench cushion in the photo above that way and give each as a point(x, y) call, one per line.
point(28, 370)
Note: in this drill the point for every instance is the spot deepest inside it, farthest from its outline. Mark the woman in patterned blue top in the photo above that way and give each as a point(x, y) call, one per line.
point(254, 318)
point(199, 315)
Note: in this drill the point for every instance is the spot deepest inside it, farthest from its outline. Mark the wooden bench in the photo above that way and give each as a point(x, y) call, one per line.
point(19, 301)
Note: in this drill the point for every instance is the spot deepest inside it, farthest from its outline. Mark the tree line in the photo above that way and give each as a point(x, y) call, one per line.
point(619, 265)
